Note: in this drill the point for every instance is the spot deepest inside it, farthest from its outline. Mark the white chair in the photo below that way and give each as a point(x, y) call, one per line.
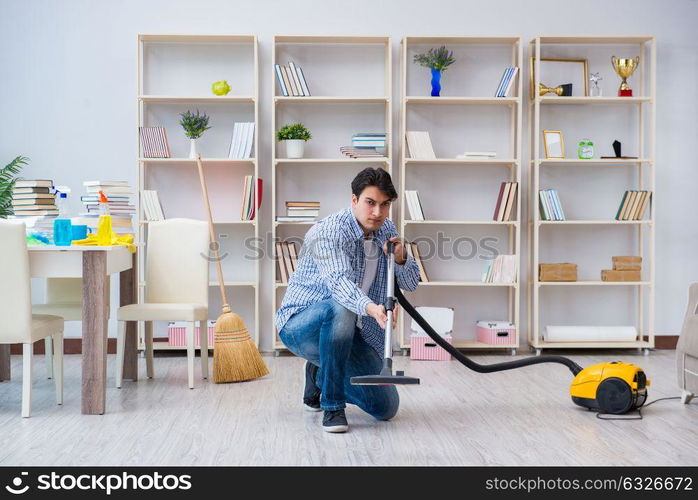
point(17, 323)
point(176, 289)
point(687, 348)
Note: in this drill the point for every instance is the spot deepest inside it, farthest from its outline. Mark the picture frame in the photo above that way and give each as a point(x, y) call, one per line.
point(554, 144)
point(574, 71)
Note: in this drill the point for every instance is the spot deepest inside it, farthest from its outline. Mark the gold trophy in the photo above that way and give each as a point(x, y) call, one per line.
point(624, 68)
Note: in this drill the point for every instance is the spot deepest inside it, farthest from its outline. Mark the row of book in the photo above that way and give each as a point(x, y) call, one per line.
point(242, 141)
point(121, 209)
point(414, 205)
point(507, 81)
point(300, 211)
point(154, 142)
point(550, 206)
point(249, 206)
point(286, 258)
point(292, 80)
point(504, 209)
point(633, 205)
point(501, 269)
point(152, 208)
point(419, 145)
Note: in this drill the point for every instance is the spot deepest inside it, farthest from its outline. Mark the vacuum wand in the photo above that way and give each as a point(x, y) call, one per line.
point(386, 377)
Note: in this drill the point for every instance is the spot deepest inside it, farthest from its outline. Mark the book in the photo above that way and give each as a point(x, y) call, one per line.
point(414, 205)
point(501, 269)
point(35, 212)
point(287, 258)
point(501, 201)
point(296, 77)
point(413, 250)
point(30, 190)
point(304, 84)
point(280, 78)
point(25, 183)
point(293, 253)
point(510, 201)
point(502, 83)
point(291, 81)
point(33, 196)
point(511, 78)
point(281, 265)
point(303, 204)
point(152, 205)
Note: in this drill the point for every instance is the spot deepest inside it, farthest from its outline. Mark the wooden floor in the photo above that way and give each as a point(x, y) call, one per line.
point(456, 417)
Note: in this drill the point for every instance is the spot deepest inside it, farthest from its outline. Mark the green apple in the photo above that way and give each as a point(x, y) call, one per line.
point(220, 88)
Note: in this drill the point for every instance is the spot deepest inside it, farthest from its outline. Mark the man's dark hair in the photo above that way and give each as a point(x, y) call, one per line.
point(373, 177)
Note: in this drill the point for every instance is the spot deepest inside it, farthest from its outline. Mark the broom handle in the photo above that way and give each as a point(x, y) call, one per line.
point(219, 270)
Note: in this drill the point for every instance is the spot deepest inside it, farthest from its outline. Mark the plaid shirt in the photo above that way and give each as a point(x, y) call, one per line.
point(331, 264)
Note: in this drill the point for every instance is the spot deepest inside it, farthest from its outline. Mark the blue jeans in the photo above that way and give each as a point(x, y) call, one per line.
point(325, 334)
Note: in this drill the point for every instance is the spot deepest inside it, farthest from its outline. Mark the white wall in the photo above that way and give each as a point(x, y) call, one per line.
point(68, 87)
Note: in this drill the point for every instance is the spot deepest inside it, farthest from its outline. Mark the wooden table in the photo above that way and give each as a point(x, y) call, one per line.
point(94, 264)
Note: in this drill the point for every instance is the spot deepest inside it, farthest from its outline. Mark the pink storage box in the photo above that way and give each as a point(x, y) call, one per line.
point(422, 347)
point(496, 332)
point(176, 334)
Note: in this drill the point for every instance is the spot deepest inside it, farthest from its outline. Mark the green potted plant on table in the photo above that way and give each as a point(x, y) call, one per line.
point(194, 125)
point(295, 135)
point(8, 176)
point(438, 60)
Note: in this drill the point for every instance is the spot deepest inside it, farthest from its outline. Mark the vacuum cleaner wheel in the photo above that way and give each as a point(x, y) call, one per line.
point(614, 396)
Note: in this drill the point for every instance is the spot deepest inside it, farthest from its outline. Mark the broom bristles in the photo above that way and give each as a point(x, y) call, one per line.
point(235, 355)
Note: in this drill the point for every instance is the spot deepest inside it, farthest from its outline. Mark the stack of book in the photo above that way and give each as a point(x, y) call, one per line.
point(301, 211)
point(507, 81)
point(419, 144)
point(633, 205)
point(287, 258)
point(292, 80)
point(414, 205)
point(550, 206)
point(477, 155)
point(154, 142)
point(118, 195)
point(504, 208)
point(413, 250)
point(352, 152)
point(152, 209)
point(369, 140)
point(249, 206)
point(32, 198)
point(502, 269)
point(242, 141)
point(34, 203)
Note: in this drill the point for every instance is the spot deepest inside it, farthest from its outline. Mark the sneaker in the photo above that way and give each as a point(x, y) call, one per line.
point(335, 421)
point(311, 393)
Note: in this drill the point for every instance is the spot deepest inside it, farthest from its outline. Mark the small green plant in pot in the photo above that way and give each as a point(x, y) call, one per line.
point(8, 176)
point(295, 135)
point(194, 125)
point(438, 60)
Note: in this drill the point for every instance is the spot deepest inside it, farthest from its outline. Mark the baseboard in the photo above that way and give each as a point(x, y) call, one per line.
point(74, 346)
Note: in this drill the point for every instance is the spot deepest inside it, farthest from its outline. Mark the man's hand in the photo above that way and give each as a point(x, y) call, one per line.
point(378, 313)
point(398, 250)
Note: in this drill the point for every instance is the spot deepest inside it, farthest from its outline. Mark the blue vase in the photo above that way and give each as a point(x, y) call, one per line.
point(435, 82)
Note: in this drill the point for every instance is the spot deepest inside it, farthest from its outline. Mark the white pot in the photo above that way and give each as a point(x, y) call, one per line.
point(192, 148)
point(294, 148)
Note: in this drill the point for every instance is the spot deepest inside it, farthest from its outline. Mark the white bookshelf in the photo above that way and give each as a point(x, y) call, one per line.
point(350, 81)
point(459, 195)
point(593, 238)
point(175, 73)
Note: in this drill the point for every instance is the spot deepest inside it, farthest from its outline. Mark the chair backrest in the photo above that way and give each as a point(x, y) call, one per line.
point(64, 290)
point(177, 262)
point(15, 285)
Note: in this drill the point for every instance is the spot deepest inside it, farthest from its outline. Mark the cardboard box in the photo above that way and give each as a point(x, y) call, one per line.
point(625, 275)
point(563, 271)
point(627, 263)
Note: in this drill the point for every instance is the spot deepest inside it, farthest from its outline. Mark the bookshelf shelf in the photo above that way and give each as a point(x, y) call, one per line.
point(498, 101)
point(461, 118)
point(350, 81)
point(197, 99)
point(545, 303)
point(166, 86)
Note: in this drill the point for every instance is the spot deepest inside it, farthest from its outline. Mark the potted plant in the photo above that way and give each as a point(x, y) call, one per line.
point(438, 60)
point(194, 125)
point(295, 135)
point(7, 183)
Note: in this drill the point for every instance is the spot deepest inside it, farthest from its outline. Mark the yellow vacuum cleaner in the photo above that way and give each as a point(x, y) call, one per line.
point(614, 387)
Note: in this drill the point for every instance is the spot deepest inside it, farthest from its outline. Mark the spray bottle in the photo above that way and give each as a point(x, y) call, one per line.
point(104, 229)
point(62, 227)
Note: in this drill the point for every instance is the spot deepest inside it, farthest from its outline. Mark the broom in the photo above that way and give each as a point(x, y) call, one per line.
point(235, 355)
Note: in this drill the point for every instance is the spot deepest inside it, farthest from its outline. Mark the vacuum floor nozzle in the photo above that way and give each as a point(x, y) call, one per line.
point(386, 378)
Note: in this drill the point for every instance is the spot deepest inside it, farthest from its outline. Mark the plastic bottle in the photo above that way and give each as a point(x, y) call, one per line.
point(104, 230)
point(62, 227)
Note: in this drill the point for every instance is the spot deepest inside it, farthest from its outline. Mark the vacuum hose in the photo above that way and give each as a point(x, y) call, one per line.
point(496, 367)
